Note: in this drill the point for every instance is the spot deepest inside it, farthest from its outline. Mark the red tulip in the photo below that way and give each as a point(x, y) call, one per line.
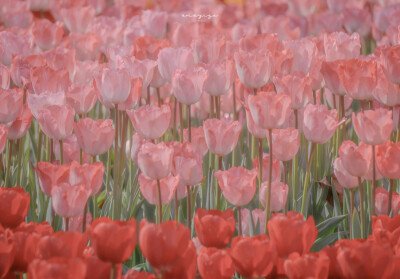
point(151, 122)
point(215, 263)
point(57, 122)
point(221, 135)
point(118, 248)
point(253, 257)
point(186, 267)
point(313, 265)
point(14, 206)
point(134, 274)
point(238, 184)
point(7, 252)
point(68, 268)
point(61, 244)
point(155, 160)
point(214, 228)
point(291, 233)
point(95, 137)
point(373, 126)
point(152, 239)
point(168, 186)
point(269, 110)
point(10, 104)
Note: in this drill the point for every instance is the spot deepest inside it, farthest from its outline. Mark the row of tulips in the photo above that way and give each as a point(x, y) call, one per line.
point(241, 144)
point(168, 247)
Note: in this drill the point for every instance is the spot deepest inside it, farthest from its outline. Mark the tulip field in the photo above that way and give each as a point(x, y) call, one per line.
point(210, 139)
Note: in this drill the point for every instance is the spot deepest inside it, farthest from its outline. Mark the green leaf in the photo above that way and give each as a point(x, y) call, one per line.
point(356, 225)
point(324, 241)
point(329, 225)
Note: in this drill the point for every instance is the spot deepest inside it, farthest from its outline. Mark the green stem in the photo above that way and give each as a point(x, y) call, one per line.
point(20, 151)
point(84, 218)
point(108, 171)
point(239, 213)
point(294, 167)
point(391, 186)
point(159, 202)
point(181, 121)
point(306, 182)
point(361, 207)
point(116, 173)
point(189, 119)
point(351, 212)
point(39, 154)
point(268, 202)
point(61, 152)
point(189, 208)
point(373, 182)
point(9, 152)
point(218, 188)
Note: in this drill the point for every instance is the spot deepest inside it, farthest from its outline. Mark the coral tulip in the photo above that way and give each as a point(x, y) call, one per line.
point(14, 205)
point(214, 263)
point(68, 268)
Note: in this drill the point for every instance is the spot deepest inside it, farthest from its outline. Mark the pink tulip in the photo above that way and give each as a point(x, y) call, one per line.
point(305, 52)
point(81, 97)
point(155, 22)
point(221, 135)
point(382, 202)
point(78, 19)
point(340, 45)
point(388, 159)
point(188, 164)
point(276, 168)
point(75, 223)
point(357, 20)
point(86, 46)
point(69, 200)
point(150, 122)
point(170, 59)
point(255, 68)
point(279, 193)
point(345, 179)
point(238, 185)
point(209, 49)
point(21, 124)
point(385, 91)
point(265, 40)
point(137, 142)
point(50, 175)
point(286, 143)
point(45, 79)
point(198, 139)
point(319, 123)
point(61, 58)
point(12, 44)
point(16, 14)
point(355, 159)
point(330, 72)
point(155, 160)
point(359, 84)
point(3, 137)
point(71, 150)
point(46, 34)
point(304, 8)
point(367, 150)
point(282, 26)
point(84, 71)
point(188, 85)
point(95, 137)
point(90, 175)
point(148, 188)
point(258, 216)
point(253, 128)
point(113, 85)
point(57, 122)
point(269, 110)
point(143, 69)
point(373, 126)
point(297, 86)
point(134, 95)
point(4, 77)
point(390, 60)
point(38, 102)
point(20, 69)
point(10, 104)
point(283, 61)
point(220, 77)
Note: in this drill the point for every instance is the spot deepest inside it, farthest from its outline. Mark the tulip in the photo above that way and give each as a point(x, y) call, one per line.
point(297, 86)
point(188, 85)
point(117, 249)
point(198, 139)
point(214, 228)
point(149, 190)
point(340, 45)
point(76, 223)
point(77, 19)
point(253, 128)
point(148, 47)
point(214, 263)
point(45, 79)
point(305, 52)
point(220, 77)
point(152, 239)
point(81, 98)
point(319, 123)
point(385, 91)
point(383, 200)
point(291, 233)
point(38, 102)
point(276, 168)
point(50, 175)
point(150, 122)
point(3, 137)
point(279, 193)
point(254, 68)
point(134, 274)
point(10, 104)
point(7, 252)
point(4, 77)
point(12, 44)
point(21, 124)
point(67, 268)
point(14, 205)
point(330, 72)
point(56, 121)
point(71, 151)
point(170, 59)
point(313, 265)
point(253, 257)
point(113, 85)
point(137, 142)
point(221, 135)
point(46, 34)
point(91, 175)
point(94, 137)
point(286, 143)
point(390, 60)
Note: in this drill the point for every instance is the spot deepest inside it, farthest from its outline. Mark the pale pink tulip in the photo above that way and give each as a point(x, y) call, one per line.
point(81, 97)
point(137, 142)
point(330, 72)
point(61, 58)
point(151, 122)
point(20, 69)
point(155, 23)
point(71, 150)
point(305, 52)
point(4, 77)
point(286, 143)
point(188, 164)
point(75, 223)
point(382, 202)
point(238, 185)
point(198, 139)
point(10, 104)
point(170, 59)
point(38, 102)
point(357, 20)
point(45, 79)
point(3, 137)
point(220, 77)
point(69, 200)
point(282, 26)
point(155, 160)
point(319, 123)
point(253, 128)
point(340, 45)
point(279, 193)
point(46, 34)
point(90, 175)
point(50, 175)
point(12, 44)
point(148, 188)
point(385, 91)
point(95, 137)
point(354, 158)
point(57, 122)
point(390, 60)
point(21, 124)
point(258, 216)
point(345, 179)
point(188, 85)
point(276, 168)
point(86, 46)
point(78, 19)
point(221, 135)
point(388, 159)
point(113, 85)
